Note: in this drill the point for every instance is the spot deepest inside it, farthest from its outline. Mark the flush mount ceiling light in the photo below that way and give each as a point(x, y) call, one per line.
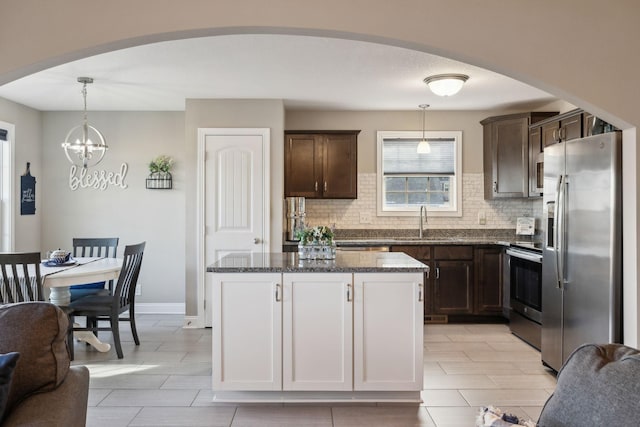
point(79, 147)
point(423, 146)
point(446, 84)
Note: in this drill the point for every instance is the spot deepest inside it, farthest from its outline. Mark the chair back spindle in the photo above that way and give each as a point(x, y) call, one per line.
point(21, 279)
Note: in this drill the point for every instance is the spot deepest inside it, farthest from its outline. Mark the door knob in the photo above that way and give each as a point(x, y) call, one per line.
point(256, 241)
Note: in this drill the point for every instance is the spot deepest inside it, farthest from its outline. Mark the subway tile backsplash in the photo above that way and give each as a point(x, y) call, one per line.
point(499, 214)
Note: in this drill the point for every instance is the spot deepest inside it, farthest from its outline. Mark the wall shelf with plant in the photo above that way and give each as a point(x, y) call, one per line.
point(160, 173)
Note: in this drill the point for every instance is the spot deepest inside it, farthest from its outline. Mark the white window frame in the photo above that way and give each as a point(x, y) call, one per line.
point(456, 209)
point(7, 198)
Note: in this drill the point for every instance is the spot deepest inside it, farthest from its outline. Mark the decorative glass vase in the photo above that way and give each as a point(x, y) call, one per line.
point(317, 251)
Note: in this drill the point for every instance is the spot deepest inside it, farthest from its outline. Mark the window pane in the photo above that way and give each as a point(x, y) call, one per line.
point(417, 183)
point(394, 198)
point(439, 183)
point(439, 199)
point(418, 198)
point(395, 183)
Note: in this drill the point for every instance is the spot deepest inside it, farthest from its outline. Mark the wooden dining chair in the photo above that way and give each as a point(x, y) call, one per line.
point(22, 282)
point(109, 307)
point(93, 247)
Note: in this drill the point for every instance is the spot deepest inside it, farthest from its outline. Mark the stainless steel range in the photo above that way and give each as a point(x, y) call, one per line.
point(525, 277)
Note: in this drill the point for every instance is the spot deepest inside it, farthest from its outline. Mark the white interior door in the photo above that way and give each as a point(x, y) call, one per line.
point(236, 196)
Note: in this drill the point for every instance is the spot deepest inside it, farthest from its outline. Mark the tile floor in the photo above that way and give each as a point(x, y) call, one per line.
point(166, 382)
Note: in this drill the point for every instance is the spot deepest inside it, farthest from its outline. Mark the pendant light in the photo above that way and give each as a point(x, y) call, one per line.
point(446, 84)
point(423, 146)
point(79, 147)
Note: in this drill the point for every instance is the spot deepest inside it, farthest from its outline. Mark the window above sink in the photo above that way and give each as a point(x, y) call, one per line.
point(408, 179)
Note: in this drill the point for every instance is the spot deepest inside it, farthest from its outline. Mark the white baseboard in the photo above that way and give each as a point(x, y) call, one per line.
point(160, 308)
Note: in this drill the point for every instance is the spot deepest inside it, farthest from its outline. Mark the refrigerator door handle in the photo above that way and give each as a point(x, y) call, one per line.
point(559, 223)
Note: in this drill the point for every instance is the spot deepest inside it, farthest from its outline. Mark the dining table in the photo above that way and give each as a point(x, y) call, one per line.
point(58, 279)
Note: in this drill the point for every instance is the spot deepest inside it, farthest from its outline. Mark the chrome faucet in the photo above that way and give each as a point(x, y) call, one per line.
point(423, 214)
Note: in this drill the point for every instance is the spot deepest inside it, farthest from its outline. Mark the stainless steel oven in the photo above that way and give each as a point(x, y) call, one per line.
point(525, 282)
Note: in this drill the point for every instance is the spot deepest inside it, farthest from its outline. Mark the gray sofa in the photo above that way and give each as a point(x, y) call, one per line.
point(44, 389)
point(599, 385)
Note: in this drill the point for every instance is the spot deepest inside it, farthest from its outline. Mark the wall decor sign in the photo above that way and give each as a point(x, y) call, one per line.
point(27, 192)
point(97, 179)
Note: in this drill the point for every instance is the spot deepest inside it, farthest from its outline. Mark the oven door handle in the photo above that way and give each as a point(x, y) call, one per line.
point(523, 255)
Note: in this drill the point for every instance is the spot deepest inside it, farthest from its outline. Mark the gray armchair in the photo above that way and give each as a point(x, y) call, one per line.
point(44, 389)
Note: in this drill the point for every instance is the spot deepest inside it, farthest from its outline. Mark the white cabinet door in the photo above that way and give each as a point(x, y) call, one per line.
point(317, 331)
point(388, 328)
point(247, 331)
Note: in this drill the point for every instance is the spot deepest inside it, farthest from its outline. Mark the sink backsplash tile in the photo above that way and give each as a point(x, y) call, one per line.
point(500, 214)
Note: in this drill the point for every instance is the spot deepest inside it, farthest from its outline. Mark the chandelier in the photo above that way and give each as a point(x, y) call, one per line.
point(84, 145)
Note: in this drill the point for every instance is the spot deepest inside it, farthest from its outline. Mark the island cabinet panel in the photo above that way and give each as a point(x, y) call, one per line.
point(388, 331)
point(317, 332)
point(247, 322)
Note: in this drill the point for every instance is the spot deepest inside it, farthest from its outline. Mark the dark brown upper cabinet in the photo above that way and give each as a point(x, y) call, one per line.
point(506, 154)
point(321, 164)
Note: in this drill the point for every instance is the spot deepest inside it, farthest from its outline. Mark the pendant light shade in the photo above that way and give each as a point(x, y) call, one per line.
point(84, 145)
point(446, 84)
point(423, 145)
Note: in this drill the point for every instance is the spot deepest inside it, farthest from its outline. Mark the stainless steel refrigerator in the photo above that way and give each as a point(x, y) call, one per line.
point(582, 251)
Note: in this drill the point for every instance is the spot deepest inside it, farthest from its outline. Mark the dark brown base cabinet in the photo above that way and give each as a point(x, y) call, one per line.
point(321, 164)
point(464, 282)
point(488, 275)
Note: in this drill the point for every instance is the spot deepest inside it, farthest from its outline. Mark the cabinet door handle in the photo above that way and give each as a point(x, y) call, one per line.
point(349, 296)
point(325, 186)
point(428, 273)
point(437, 272)
point(316, 186)
point(495, 186)
point(278, 297)
point(556, 136)
point(420, 292)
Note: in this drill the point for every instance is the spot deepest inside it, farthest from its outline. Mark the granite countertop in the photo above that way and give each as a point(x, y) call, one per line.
point(345, 262)
point(384, 237)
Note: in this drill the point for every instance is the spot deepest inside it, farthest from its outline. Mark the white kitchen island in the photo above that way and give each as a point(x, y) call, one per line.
point(286, 330)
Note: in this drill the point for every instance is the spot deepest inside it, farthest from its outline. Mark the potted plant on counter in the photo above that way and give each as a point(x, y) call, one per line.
point(316, 243)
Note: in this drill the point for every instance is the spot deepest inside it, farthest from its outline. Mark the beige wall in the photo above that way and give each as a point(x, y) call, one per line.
point(222, 113)
point(134, 214)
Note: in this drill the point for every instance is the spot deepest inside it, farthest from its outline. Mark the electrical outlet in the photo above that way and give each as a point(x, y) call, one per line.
point(333, 218)
point(365, 218)
point(138, 289)
point(482, 218)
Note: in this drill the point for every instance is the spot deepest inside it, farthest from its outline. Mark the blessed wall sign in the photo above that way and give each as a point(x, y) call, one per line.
point(97, 179)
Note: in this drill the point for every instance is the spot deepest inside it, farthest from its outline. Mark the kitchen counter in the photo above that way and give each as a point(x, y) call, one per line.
point(371, 238)
point(291, 330)
point(345, 262)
